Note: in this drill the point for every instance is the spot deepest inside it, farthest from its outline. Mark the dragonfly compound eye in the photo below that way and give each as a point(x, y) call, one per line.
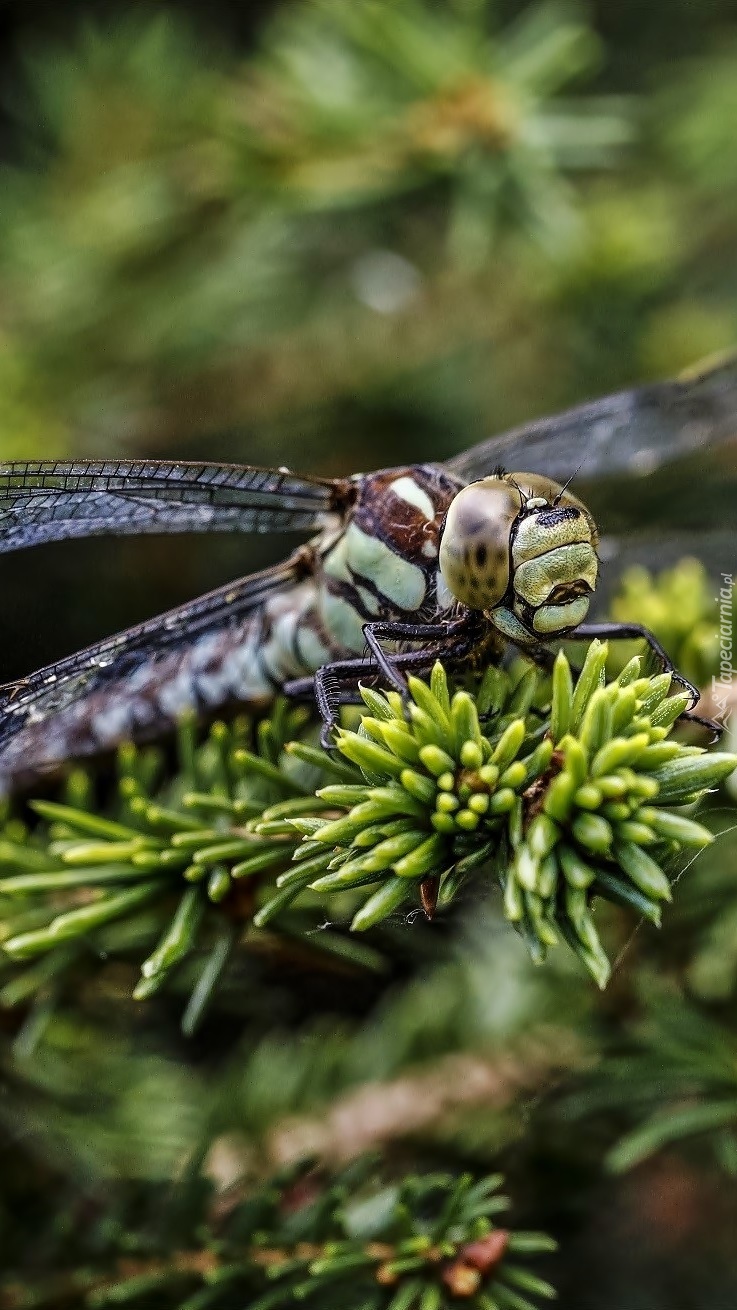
point(523, 546)
point(475, 545)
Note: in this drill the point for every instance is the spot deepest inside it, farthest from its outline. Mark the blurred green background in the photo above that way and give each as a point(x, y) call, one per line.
point(335, 234)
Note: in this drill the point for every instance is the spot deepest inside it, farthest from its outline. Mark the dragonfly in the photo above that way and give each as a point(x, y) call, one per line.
point(457, 560)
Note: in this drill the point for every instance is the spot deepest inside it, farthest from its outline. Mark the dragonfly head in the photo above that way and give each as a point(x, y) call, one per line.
point(521, 543)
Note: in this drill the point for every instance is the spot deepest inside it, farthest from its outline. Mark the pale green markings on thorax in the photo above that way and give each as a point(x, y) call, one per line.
point(343, 622)
point(369, 600)
point(444, 595)
point(312, 649)
point(359, 555)
point(536, 578)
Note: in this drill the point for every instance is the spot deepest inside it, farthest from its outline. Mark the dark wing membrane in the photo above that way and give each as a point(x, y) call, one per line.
point(661, 550)
point(633, 432)
point(134, 684)
point(47, 501)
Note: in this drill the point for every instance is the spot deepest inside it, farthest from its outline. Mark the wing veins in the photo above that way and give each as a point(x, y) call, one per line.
point(640, 430)
point(46, 501)
point(229, 603)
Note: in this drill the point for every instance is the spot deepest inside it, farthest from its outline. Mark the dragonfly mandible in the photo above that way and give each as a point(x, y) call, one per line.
point(403, 565)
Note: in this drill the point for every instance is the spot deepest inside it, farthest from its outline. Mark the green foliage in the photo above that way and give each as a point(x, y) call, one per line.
point(421, 93)
point(696, 137)
point(383, 189)
point(161, 234)
point(175, 860)
point(675, 1081)
point(143, 1113)
point(349, 1239)
point(390, 219)
point(564, 796)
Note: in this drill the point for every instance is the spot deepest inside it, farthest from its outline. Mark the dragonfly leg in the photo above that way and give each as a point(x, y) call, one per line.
point(330, 695)
point(336, 684)
point(389, 664)
point(711, 725)
point(304, 688)
point(626, 631)
point(629, 631)
point(326, 689)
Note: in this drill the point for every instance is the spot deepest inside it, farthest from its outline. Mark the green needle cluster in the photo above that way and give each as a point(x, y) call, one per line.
point(565, 799)
point(352, 1242)
point(602, 822)
point(439, 791)
point(559, 792)
point(175, 858)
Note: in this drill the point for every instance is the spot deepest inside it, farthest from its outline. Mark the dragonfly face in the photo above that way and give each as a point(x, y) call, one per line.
point(522, 549)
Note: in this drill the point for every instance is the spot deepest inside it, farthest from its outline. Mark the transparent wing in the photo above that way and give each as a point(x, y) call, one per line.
point(689, 423)
point(134, 683)
point(47, 501)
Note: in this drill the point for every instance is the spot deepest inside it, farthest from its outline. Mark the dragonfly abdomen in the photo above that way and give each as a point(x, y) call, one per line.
point(119, 696)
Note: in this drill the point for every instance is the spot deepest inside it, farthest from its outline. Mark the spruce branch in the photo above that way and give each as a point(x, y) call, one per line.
point(350, 1240)
point(674, 1081)
point(174, 858)
point(565, 794)
point(559, 792)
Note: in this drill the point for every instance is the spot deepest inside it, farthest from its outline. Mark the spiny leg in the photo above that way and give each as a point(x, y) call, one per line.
point(328, 684)
point(388, 664)
point(389, 667)
point(329, 690)
point(330, 694)
point(711, 725)
point(325, 688)
point(630, 631)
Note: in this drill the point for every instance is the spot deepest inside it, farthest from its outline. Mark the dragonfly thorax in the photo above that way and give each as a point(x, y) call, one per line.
point(522, 549)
